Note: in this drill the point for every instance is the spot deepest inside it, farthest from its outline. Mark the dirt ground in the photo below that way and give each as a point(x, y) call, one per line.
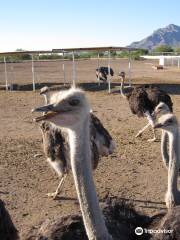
point(134, 172)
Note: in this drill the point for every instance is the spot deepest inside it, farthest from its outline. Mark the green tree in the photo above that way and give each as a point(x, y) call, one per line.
point(164, 48)
point(177, 50)
point(135, 55)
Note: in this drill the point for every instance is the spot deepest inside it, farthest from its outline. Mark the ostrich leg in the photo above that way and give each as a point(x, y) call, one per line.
point(154, 138)
point(59, 188)
point(142, 130)
point(150, 123)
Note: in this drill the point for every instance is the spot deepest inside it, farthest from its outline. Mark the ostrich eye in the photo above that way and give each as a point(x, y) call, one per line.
point(169, 122)
point(74, 102)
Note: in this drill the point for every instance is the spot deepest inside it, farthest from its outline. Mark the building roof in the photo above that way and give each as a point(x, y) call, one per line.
point(112, 48)
point(64, 50)
point(24, 52)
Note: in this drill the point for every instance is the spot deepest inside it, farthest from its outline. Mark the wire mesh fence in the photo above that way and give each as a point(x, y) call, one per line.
point(22, 75)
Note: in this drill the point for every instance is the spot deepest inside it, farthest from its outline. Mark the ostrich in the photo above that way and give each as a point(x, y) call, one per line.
point(170, 223)
point(169, 124)
point(99, 135)
point(45, 92)
point(143, 100)
point(71, 110)
point(102, 73)
point(160, 110)
point(121, 219)
point(7, 229)
point(56, 144)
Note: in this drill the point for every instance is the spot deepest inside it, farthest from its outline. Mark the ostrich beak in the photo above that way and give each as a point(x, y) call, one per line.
point(158, 125)
point(46, 108)
point(44, 92)
point(49, 111)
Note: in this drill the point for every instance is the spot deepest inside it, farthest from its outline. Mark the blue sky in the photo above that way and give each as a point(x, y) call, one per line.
point(47, 24)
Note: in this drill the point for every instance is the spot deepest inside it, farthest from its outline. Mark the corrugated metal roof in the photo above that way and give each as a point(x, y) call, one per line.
point(95, 49)
point(61, 50)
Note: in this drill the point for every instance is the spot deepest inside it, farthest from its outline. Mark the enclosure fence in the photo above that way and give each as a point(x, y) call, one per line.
point(34, 72)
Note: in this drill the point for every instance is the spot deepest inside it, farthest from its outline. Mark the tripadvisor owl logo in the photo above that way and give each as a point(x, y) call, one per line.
point(139, 231)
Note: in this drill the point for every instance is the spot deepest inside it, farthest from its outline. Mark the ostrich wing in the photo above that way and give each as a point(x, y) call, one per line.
point(139, 102)
point(56, 147)
point(157, 95)
point(101, 137)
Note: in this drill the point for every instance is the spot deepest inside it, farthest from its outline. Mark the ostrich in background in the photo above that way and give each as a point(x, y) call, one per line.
point(102, 73)
point(71, 110)
point(56, 143)
point(169, 125)
point(143, 100)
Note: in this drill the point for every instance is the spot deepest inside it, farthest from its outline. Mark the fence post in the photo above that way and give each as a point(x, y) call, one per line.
point(33, 74)
point(5, 73)
point(74, 70)
point(64, 70)
point(109, 70)
point(98, 71)
point(129, 68)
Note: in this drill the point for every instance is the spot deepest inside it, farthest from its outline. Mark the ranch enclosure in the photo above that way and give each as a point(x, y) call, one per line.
point(50, 72)
point(135, 172)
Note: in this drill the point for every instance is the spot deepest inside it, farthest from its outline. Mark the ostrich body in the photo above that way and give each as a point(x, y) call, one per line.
point(169, 124)
point(7, 229)
point(143, 100)
point(102, 73)
point(71, 110)
point(57, 149)
point(170, 222)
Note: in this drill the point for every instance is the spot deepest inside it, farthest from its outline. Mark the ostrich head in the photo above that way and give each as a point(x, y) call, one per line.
point(161, 109)
point(44, 90)
point(122, 74)
point(66, 109)
point(167, 122)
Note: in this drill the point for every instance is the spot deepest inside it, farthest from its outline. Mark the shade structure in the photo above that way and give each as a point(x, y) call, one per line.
point(72, 51)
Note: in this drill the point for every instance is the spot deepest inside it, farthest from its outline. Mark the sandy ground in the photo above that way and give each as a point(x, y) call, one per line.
point(134, 172)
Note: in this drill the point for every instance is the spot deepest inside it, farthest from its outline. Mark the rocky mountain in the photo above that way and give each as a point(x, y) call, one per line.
point(169, 35)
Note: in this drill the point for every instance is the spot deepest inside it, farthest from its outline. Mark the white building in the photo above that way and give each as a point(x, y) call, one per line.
point(165, 60)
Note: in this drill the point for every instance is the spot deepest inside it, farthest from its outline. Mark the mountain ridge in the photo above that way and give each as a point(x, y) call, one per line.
point(169, 35)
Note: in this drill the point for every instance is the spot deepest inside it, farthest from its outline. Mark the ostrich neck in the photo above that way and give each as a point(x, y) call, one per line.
point(122, 87)
point(82, 172)
point(46, 98)
point(174, 160)
point(164, 148)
